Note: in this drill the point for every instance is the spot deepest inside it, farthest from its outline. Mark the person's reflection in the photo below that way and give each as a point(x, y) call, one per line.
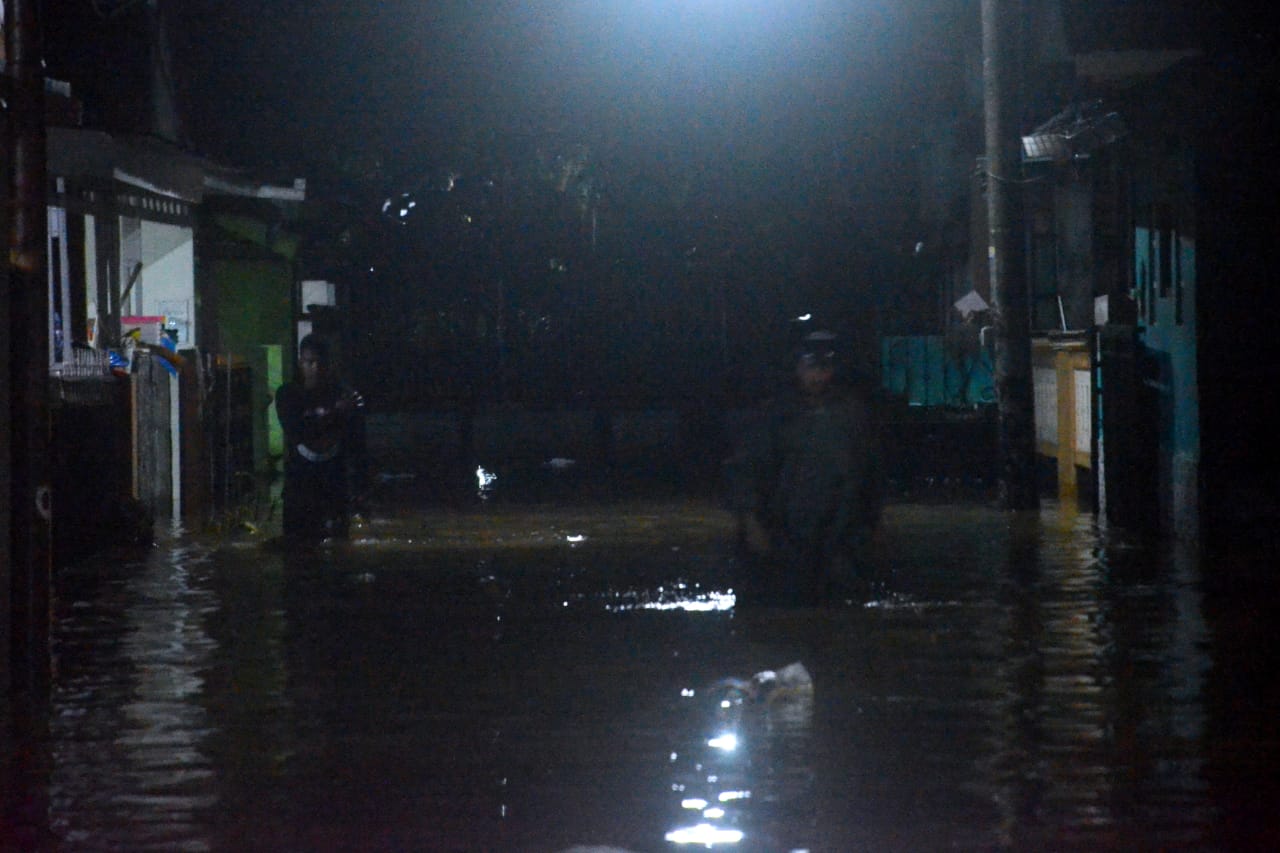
point(256, 731)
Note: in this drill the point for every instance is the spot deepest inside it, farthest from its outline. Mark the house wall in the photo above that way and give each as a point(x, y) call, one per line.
point(60, 305)
point(1074, 211)
point(1237, 255)
point(1061, 262)
point(110, 230)
point(254, 317)
point(89, 263)
point(1164, 261)
point(937, 371)
point(129, 242)
point(255, 305)
point(168, 277)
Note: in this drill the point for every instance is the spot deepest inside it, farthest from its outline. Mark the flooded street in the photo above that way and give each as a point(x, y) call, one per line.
point(531, 678)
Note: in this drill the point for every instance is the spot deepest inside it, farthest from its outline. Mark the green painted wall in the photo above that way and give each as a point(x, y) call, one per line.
point(254, 303)
point(274, 357)
point(255, 316)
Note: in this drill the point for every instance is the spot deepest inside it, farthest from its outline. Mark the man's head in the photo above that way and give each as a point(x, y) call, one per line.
point(816, 362)
point(313, 361)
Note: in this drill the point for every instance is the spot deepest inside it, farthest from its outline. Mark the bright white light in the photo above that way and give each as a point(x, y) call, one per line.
point(575, 537)
point(696, 803)
point(711, 602)
point(804, 318)
point(484, 479)
point(730, 796)
point(713, 813)
point(687, 691)
point(727, 742)
point(704, 834)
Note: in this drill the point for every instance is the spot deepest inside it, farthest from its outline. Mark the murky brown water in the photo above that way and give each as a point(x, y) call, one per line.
point(529, 679)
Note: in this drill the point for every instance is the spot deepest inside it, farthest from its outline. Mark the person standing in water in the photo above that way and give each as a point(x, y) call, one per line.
point(323, 423)
point(806, 486)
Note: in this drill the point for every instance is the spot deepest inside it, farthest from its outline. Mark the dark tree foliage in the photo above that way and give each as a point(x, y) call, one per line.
point(547, 270)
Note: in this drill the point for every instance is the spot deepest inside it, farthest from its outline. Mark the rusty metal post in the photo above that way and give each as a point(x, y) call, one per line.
point(1012, 363)
point(31, 501)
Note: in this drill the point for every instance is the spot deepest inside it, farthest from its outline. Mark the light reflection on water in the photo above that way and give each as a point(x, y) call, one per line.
point(471, 682)
point(678, 596)
point(128, 727)
point(752, 762)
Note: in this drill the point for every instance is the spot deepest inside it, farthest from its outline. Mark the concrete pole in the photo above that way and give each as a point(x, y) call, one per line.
point(1012, 363)
point(31, 546)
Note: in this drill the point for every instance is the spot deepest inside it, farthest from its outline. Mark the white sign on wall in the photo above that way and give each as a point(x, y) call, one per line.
point(316, 292)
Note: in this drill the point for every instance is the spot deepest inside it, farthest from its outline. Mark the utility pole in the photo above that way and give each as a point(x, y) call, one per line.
point(164, 110)
point(1012, 364)
point(31, 502)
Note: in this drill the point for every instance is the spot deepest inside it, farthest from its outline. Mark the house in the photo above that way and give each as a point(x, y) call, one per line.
point(1146, 198)
point(1146, 219)
point(148, 262)
point(174, 300)
point(23, 598)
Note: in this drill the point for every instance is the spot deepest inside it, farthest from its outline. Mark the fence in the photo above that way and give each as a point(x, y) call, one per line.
point(89, 453)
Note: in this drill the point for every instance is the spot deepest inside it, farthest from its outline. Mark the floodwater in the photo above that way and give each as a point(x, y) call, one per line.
point(507, 677)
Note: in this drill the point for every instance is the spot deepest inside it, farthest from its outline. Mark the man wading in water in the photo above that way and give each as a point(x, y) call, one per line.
point(806, 486)
point(323, 422)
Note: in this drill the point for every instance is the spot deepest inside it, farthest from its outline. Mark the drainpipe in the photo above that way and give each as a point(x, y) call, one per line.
point(31, 545)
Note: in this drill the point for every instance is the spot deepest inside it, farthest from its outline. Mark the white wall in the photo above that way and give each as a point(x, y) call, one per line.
point(90, 262)
point(167, 285)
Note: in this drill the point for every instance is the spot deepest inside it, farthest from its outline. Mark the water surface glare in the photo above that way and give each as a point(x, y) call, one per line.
point(531, 679)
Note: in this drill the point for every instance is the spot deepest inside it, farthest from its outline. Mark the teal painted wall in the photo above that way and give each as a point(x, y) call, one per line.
point(924, 371)
point(1165, 261)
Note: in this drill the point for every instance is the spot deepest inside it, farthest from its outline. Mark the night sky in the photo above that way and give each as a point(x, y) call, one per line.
point(412, 79)
point(287, 86)
point(292, 86)
point(765, 143)
point(756, 139)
